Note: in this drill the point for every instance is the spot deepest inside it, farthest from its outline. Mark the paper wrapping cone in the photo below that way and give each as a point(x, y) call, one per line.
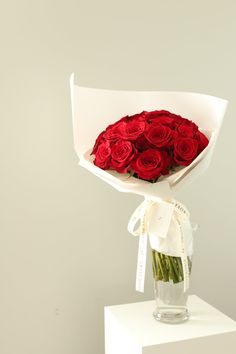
point(94, 109)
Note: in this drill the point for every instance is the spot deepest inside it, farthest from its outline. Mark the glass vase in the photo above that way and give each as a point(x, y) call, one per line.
point(170, 295)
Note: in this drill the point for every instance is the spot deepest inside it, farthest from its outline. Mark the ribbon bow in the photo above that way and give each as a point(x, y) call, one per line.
point(158, 214)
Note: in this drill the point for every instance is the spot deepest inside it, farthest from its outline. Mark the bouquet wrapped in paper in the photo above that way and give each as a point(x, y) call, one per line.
point(151, 143)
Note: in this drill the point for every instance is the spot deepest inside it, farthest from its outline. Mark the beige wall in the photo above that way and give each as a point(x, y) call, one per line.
point(54, 284)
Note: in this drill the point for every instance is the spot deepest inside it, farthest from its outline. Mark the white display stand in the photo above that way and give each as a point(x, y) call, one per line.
point(131, 329)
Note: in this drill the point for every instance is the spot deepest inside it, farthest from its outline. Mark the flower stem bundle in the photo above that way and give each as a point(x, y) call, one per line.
point(168, 268)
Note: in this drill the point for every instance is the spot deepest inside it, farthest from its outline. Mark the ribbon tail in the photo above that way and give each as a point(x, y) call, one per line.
point(184, 261)
point(135, 218)
point(141, 263)
point(184, 257)
point(141, 214)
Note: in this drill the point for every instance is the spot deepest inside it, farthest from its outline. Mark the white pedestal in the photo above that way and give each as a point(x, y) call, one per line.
point(131, 329)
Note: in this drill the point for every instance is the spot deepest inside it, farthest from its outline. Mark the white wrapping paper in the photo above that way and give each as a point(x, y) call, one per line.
point(94, 109)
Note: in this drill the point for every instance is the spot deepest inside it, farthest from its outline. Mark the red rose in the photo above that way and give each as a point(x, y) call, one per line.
point(187, 129)
point(143, 144)
point(160, 117)
point(133, 129)
point(167, 162)
point(98, 141)
point(164, 119)
point(180, 120)
point(122, 152)
point(148, 164)
point(102, 157)
point(202, 141)
point(113, 132)
point(185, 151)
point(160, 135)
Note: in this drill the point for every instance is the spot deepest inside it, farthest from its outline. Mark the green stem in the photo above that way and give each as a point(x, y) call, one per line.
point(162, 267)
point(154, 266)
point(180, 265)
point(176, 268)
point(173, 274)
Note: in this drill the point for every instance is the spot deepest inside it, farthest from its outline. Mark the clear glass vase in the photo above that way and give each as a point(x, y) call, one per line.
point(171, 299)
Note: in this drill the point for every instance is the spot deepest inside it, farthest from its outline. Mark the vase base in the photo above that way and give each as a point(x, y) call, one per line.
point(171, 315)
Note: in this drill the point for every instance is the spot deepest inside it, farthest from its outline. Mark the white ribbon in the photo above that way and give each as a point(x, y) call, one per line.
point(142, 214)
point(181, 214)
point(167, 211)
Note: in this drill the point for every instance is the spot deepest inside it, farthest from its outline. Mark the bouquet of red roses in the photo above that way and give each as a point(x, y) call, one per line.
point(158, 146)
point(149, 145)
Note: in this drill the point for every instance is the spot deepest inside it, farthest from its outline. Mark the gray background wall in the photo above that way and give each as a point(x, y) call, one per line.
point(54, 284)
